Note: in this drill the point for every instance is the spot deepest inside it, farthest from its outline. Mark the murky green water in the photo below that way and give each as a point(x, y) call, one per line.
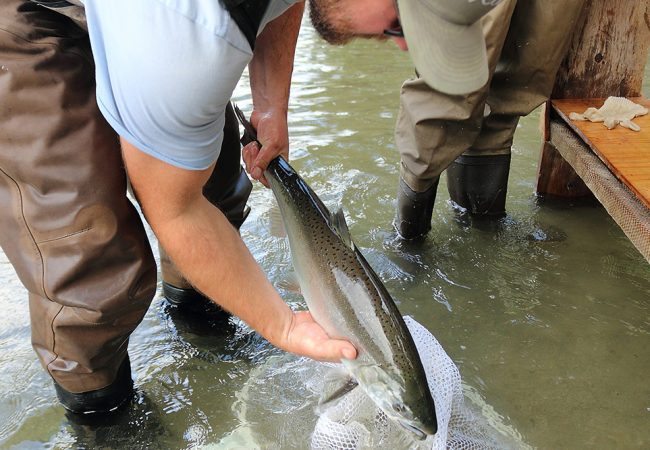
point(553, 335)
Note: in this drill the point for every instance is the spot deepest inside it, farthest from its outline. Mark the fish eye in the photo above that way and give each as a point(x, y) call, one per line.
point(399, 407)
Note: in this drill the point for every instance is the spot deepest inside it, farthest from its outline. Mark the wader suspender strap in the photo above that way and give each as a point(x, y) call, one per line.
point(248, 15)
point(53, 3)
point(73, 9)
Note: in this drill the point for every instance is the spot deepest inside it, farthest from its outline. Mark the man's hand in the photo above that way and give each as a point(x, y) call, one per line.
point(305, 337)
point(272, 132)
point(270, 77)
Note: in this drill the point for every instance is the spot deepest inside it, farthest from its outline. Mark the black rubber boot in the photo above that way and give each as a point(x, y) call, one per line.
point(102, 401)
point(232, 201)
point(137, 425)
point(414, 210)
point(479, 184)
point(178, 295)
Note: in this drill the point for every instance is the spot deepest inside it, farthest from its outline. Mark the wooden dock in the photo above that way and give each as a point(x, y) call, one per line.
point(612, 165)
point(625, 152)
point(607, 57)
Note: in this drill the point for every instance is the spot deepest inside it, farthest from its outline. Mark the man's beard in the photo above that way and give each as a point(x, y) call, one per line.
point(328, 21)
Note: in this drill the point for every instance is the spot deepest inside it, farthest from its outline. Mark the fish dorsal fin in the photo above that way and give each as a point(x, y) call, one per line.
point(340, 226)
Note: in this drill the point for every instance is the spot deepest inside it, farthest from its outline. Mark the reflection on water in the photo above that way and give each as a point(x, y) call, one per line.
point(546, 314)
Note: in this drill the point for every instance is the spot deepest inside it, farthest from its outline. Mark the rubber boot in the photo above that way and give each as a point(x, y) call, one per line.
point(138, 424)
point(414, 210)
point(479, 184)
point(101, 401)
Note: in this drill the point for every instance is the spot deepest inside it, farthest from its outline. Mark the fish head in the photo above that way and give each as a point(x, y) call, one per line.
point(411, 419)
point(410, 406)
point(419, 411)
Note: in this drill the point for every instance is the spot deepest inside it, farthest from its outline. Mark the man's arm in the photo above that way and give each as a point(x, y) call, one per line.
point(270, 76)
point(210, 253)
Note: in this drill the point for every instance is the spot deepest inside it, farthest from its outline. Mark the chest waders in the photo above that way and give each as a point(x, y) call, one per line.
point(470, 136)
point(74, 238)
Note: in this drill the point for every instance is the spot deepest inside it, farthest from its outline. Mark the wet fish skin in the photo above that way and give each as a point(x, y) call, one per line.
point(347, 298)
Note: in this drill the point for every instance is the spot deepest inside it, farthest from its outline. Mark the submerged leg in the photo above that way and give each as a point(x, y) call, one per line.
point(73, 237)
point(434, 128)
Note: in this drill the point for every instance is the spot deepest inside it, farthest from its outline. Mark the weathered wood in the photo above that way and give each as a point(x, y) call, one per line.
point(607, 57)
point(626, 153)
point(558, 179)
point(608, 52)
point(561, 181)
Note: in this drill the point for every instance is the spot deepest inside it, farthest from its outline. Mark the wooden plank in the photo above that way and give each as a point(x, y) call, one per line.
point(620, 202)
point(626, 153)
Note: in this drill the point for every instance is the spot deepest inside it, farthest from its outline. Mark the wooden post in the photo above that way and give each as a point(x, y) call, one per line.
point(607, 57)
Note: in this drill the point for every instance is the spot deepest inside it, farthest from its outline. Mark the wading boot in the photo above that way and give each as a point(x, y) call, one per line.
point(414, 210)
point(479, 184)
point(102, 401)
point(137, 425)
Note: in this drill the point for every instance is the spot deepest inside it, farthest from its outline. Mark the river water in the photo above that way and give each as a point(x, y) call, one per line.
point(546, 316)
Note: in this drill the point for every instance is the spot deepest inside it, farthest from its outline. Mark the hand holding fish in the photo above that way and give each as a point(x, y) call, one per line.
point(272, 133)
point(305, 337)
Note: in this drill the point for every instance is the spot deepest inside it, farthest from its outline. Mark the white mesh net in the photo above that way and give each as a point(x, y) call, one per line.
point(276, 409)
point(356, 423)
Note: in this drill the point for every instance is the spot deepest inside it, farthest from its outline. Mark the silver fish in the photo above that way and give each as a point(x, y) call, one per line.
point(347, 298)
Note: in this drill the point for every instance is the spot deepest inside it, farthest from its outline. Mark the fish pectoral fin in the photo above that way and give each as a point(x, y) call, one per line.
point(340, 226)
point(341, 386)
point(290, 283)
point(276, 223)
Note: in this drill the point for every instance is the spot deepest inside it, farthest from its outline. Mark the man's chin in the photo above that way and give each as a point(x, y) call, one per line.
point(328, 24)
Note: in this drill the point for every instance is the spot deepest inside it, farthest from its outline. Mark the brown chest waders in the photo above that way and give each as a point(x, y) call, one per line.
point(74, 238)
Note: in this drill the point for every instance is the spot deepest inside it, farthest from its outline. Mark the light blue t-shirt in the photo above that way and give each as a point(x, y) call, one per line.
point(166, 70)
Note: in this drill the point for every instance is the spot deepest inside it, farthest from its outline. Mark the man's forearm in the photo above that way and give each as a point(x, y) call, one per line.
point(204, 245)
point(272, 64)
point(208, 250)
point(270, 74)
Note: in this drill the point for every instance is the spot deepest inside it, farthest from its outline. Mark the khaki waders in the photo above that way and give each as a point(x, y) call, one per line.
point(472, 134)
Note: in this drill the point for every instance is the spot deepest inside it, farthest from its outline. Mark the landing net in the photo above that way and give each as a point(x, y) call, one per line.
point(277, 405)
